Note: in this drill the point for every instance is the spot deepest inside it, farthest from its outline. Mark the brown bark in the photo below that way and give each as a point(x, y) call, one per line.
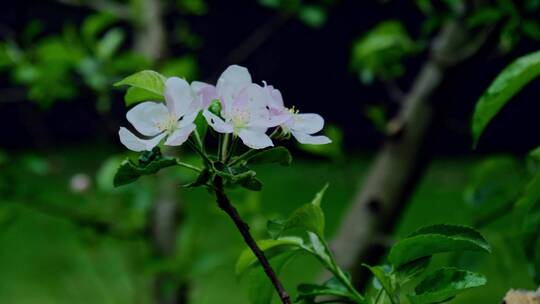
point(397, 166)
point(225, 205)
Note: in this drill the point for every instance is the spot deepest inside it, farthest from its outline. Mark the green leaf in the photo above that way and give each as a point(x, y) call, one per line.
point(535, 154)
point(109, 44)
point(384, 276)
point(201, 180)
point(278, 155)
point(308, 292)
point(312, 15)
point(260, 289)
point(531, 28)
point(252, 184)
point(484, 16)
point(531, 195)
point(202, 126)
point(150, 162)
point(381, 50)
point(319, 195)
point(444, 284)
point(271, 248)
point(149, 81)
point(308, 217)
point(507, 84)
point(436, 239)
point(94, 24)
point(135, 95)
point(496, 181)
point(412, 270)
point(536, 261)
point(275, 227)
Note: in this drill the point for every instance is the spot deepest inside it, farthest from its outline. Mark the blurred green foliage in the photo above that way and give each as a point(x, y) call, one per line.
point(74, 254)
point(380, 52)
point(55, 67)
point(312, 13)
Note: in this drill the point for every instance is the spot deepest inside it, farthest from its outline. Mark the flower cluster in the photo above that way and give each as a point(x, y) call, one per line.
point(246, 110)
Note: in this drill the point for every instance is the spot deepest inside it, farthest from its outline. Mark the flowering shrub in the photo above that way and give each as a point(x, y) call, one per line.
point(236, 109)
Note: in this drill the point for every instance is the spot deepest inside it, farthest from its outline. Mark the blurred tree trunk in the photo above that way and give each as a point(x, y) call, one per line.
point(150, 30)
point(166, 215)
point(165, 219)
point(400, 161)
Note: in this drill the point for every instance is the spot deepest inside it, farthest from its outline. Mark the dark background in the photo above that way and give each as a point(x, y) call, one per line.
point(310, 67)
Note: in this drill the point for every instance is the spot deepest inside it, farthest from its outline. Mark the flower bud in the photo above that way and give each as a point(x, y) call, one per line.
point(215, 107)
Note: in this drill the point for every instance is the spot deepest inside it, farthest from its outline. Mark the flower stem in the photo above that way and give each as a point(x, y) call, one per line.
point(243, 156)
point(225, 205)
point(189, 166)
point(340, 275)
point(224, 147)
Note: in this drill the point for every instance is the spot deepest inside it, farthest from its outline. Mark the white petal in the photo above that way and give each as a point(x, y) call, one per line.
point(255, 138)
point(275, 100)
point(187, 119)
point(136, 144)
point(178, 96)
point(232, 80)
point(206, 92)
point(217, 123)
point(254, 95)
point(179, 136)
point(307, 123)
point(304, 138)
point(262, 118)
point(146, 115)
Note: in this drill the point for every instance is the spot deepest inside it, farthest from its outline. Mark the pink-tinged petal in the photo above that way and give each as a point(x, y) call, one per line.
point(206, 92)
point(178, 96)
point(180, 136)
point(263, 118)
point(252, 96)
point(232, 80)
point(217, 123)
point(255, 138)
point(307, 123)
point(145, 116)
point(187, 119)
point(136, 144)
point(275, 100)
point(307, 139)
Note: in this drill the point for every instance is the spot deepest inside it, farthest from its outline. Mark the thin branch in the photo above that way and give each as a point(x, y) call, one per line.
point(225, 205)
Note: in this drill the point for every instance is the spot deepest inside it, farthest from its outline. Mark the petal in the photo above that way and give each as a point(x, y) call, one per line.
point(254, 95)
point(180, 136)
point(255, 138)
point(307, 123)
point(217, 123)
point(263, 118)
point(232, 80)
point(178, 96)
point(304, 138)
point(206, 92)
point(146, 115)
point(136, 144)
point(275, 100)
point(187, 119)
